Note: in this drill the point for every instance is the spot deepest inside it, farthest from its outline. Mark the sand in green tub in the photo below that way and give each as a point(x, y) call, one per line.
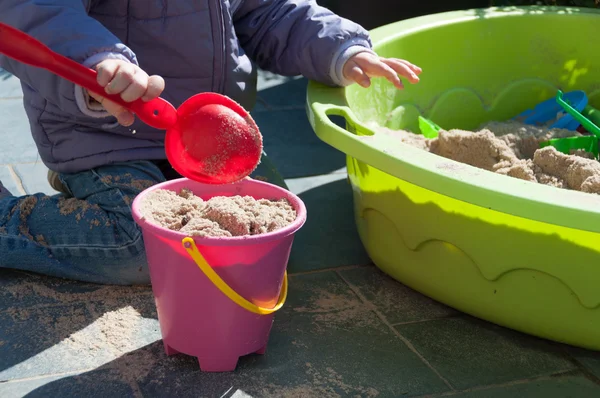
point(512, 148)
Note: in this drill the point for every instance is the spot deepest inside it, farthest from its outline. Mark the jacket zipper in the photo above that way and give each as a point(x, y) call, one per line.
point(219, 84)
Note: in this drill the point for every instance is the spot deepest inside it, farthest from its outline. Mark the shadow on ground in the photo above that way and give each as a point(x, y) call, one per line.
point(288, 137)
point(52, 326)
point(329, 238)
point(308, 353)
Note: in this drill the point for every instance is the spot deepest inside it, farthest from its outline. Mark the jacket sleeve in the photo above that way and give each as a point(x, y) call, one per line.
point(65, 27)
point(292, 37)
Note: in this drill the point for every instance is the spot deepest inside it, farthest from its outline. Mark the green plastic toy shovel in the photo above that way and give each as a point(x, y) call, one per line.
point(428, 128)
point(588, 143)
point(592, 114)
point(585, 122)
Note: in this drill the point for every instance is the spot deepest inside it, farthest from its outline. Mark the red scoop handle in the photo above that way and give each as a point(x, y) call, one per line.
point(18, 45)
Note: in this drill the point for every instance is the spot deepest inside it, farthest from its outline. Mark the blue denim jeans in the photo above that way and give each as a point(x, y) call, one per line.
point(88, 234)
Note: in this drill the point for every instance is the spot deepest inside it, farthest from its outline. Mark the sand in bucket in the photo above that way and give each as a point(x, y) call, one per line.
point(221, 319)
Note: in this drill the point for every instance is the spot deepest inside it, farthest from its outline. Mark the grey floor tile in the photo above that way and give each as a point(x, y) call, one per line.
point(96, 383)
point(8, 180)
point(300, 186)
point(91, 324)
point(49, 340)
point(329, 237)
point(110, 298)
point(16, 144)
point(283, 93)
point(289, 139)
point(293, 146)
point(563, 387)
point(34, 177)
point(396, 302)
point(470, 352)
point(134, 309)
point(324, 343)
point(266, 80)
point(10, 86)
point(589, 359)
point(21, 290)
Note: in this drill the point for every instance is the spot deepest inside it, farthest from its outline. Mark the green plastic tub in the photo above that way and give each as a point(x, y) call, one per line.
point(516, 253)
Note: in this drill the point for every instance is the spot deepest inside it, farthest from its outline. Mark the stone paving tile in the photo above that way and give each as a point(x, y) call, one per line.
point(285, 93)
point(288, 137)
point(22, 289)
point(8, 180)
point(97, 383)
point(47, 341)
point(134, 308)
point(329, 237)
point(10, 87)
point(266, 80)
point(324, 343)
point(293, 146)
point(563, 387)
point(398, 303)
point(469, 352)
point(288, 128)
point(34, 178)
point(16, 144)
point(49, 320)
point(589, 359)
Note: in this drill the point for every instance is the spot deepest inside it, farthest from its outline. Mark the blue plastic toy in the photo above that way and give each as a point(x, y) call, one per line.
point(548, 111)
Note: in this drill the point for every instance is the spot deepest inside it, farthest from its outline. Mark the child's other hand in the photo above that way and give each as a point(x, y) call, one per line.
point(127, 79)
point(365, 65)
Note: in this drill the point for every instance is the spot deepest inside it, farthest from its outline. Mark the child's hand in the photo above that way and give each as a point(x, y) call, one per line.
point(365, 65)
point(127, 79)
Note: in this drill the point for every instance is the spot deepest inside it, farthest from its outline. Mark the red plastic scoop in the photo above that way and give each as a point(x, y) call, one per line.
point(210, 138)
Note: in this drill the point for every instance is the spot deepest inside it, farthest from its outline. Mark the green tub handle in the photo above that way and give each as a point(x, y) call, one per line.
point(332, 102)
point(356, 140)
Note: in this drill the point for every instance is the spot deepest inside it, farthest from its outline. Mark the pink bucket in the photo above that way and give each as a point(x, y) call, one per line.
point(201, 307)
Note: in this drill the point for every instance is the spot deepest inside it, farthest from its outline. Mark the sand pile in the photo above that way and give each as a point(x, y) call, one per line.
point(512, 148)
point(218, 216)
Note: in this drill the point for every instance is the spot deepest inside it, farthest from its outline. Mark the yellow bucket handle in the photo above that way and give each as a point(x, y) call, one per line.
point(190, 246)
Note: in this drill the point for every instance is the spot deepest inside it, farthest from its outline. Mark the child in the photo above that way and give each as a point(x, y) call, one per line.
point(88, 233)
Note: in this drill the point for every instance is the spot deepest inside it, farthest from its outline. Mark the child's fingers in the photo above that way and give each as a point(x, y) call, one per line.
point(137, 87)
point(124, 117)
point(120, 77)
point(156, 85)
point(123, 77)
point(374, 67)
point(356, 74)
point(105, 72)
point(412, 66)
point(403, 69)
